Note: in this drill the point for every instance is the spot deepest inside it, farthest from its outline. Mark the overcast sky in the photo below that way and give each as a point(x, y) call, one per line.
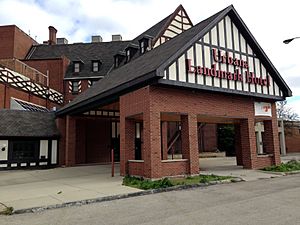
point(269, 21)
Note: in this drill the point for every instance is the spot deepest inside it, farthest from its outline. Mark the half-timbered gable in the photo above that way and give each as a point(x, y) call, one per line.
point(177, 23)
point(224, 56)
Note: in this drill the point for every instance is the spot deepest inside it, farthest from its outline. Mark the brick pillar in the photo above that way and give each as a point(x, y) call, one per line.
point(152, 144)
point(271, 141)
point(237, 144)
point(61, 125)
point(248, 143)
point(127, 143)
point(70, 141)
point(189, 141)
point(164, 137)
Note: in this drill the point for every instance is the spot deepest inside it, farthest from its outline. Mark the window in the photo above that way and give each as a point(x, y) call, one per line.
point(92, 82)
point(138, 140)
point(116, 61)
point(142, 47)
point(77, 67)
point(75, 86)
point(127, 55)
point(23, 150)
point(95, 66)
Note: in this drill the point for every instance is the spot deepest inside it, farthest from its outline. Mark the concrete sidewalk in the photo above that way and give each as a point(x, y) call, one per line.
point(35, 188)
point(226, 166)
point(24, 189)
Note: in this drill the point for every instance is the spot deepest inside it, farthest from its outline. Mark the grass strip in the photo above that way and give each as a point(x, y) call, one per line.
point(146, 184)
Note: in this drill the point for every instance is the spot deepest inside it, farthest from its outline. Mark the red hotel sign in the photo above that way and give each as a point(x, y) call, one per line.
point(225, 58)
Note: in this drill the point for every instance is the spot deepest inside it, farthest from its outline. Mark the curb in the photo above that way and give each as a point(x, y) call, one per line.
point(124, 196)
point(281, 173)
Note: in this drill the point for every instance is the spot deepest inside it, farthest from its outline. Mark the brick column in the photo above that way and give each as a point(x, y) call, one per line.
point(70, 141)
point(127, 144)
point(61, 125)
point(189, 138)
point(271, 141)
point(152, 144)
point(248, 143)
point(237, 144)
point(164, 137)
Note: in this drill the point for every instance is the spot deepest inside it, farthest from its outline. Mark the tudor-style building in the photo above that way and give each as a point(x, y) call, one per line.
point(213, 72)
point(148, 98)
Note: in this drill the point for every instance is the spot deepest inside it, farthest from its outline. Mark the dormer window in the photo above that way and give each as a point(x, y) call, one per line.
point(117, 62)
point(142, 47)
point(145, 43)
point(130, 51)
point(95, 66)
point(118, 58)
point(76, 67)
point(128, 55)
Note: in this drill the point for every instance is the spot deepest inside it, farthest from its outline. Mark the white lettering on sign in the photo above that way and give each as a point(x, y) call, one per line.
point(262, 109)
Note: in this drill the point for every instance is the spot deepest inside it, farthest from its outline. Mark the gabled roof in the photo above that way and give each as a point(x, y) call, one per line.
point(150, 66)
point(136, 72)
point(22, 123)
point(158, 29)
point(154, 30)
point(84, 52)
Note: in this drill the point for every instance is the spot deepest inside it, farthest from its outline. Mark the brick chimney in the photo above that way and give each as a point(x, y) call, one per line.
point(52, 35)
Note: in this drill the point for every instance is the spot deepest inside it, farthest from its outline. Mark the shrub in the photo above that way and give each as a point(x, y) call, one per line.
point(292, 165)
point(146, 184)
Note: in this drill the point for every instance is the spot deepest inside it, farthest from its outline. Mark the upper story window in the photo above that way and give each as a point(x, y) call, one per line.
point(92, 82)
point(145, 44)
point(116, 61)
point(142, 47)
point(128, 55)
point(75, 87)
point(76, 67)
point(96, 65)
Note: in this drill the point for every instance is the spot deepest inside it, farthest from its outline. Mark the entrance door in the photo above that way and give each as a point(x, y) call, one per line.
point(138, 141)
point(115, 139)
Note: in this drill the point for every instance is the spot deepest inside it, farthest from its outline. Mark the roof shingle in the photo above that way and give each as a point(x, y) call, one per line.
point(22, 123)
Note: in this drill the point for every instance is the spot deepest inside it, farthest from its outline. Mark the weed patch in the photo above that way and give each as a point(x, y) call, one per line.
point(292, 165)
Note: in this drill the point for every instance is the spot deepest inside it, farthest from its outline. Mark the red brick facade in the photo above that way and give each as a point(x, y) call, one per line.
point(292, 136)
point(208, 141)
point(14, 42)
point(56, 69)
point(151, 102)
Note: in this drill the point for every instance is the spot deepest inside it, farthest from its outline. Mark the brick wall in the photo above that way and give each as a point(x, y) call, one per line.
point(292, 144)
point(151, 101)
point(292, 137)
point(14, 43)
point(56, 69)
point(210, 138)
point(136, 168)
point(175, 168)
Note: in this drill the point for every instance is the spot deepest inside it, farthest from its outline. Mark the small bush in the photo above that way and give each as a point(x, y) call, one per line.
point(146, 184)
point(292, 165)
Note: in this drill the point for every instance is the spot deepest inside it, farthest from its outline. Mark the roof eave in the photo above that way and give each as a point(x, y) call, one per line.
point(112, 94)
